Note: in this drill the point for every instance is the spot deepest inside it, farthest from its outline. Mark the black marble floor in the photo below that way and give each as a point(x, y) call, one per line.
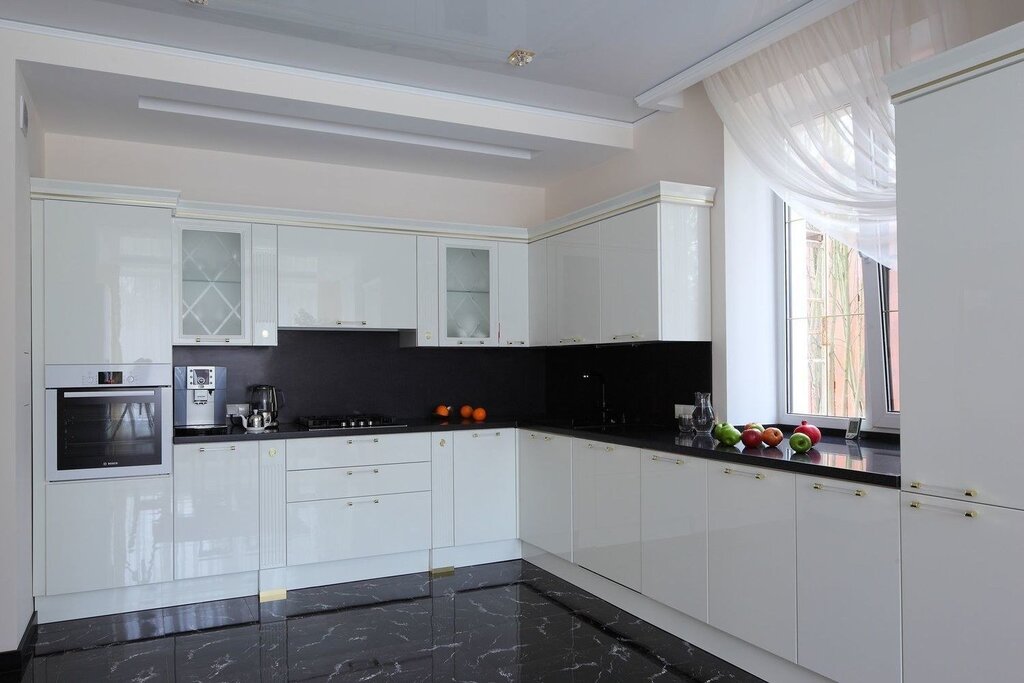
point(504, 622)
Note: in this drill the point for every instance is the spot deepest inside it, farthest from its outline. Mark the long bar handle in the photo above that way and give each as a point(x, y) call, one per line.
point(534, 436)
point(575, 340)
point(631, 335)
point(373, 440)
point(967, 493)
point(373, 471)
point(200, 340)
point(477, 435)
point(607, 448)
point(515, 342)
point(361, 502)
point(917, 505)
point(755, 475)
point(661, 458)
point(361, 323)
point(204, 449)
point(818, 486)
point(462, 342)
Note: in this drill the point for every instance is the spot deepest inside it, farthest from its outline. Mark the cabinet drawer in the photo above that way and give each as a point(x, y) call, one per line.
point(354, 451)
point(365, 480)
point(328, 530)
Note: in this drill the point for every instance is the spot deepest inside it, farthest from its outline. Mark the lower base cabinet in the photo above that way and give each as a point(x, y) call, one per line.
point(347, 528)
point(962, 594)
point(606, 510)
point(545, 492)
point(108, 533)
point(848, 580)
point(675, 531)
point(485, 486)
point(752, 556)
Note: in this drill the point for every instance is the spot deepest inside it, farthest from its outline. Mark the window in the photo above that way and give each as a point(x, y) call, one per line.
point(841, 346)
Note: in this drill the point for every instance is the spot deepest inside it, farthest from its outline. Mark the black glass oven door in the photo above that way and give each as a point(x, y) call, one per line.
point(99, 428)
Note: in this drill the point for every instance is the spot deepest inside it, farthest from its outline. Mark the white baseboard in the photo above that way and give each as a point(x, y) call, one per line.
point(479, 553)
point(733, 650)
point(151, 596)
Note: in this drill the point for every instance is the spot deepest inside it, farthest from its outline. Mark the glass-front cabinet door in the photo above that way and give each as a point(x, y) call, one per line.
point(212, 283)
point(468, 288)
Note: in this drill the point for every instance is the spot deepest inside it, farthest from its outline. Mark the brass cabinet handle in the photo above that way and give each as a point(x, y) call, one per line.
point(917, 505)
point(442, 443)
point(625, 336)
point(350, 322)
point(204, 449)
point(755, 475)
point(818, 486)
point(660, 458)
point(353, 502)
point(966, 492)
point(373, 471)
point(607, 448)
point(373, 440)
point(478, 435)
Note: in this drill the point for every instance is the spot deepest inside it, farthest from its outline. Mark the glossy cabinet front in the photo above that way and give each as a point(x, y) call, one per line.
point(961, 590)
point(606, 510)
point(513, 295)
point(545, 491)
point(752, 555)
point(107, 284)
point(346, 279)
point(216, 509)
point(675, 531)
point(574, 283)
point(848, 573)
point(108, 533)
point(485, 486)
point(629, 276)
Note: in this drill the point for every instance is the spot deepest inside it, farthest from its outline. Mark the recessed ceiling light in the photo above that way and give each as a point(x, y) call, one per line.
point(521, 57)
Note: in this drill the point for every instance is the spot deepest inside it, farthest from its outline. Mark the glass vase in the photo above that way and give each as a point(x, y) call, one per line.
point(703, 413)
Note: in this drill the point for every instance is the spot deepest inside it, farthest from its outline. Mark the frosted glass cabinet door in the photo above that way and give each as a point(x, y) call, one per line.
point(469, 292)
point(107, 278)
point(212, 282)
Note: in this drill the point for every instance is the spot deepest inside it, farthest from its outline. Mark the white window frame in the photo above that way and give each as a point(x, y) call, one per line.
point(876, 405)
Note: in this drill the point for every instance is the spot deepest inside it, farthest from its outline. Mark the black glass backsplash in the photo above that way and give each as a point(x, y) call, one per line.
point(325, 372)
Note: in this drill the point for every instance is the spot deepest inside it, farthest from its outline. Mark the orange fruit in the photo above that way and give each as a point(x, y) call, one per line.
point(442, 411)
point(466, 411)
point(479, 414)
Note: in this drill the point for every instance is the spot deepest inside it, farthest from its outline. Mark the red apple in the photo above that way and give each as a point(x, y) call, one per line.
point(810, 430)
point(772, 437)
point(751, 438)
point(754, 425)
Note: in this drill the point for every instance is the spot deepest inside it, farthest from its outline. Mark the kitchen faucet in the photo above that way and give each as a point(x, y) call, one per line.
point(605, 410)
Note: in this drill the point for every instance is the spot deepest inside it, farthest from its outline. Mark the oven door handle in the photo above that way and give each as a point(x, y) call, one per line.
point(107, 394)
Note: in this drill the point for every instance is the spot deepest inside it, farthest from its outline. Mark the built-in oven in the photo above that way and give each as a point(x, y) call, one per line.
point(108, 421)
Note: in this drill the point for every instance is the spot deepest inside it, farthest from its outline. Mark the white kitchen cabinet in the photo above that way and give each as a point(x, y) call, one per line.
point(574, 283)
point(212, 282)
point(485, 486)
point(545, 491)
point(606, 510)
point(364, 480)
point(848, 580)
point(264, 285)
point(752, 556)
point(346, 279)
point(357, 450)
point(216, 508)
point(442, 490)
point(347, 528)
point(513, 294)
point(629, 276)
point(427, 330)
point(108, 533)
point(961, 591)
point(539, 303)
point(468, 292)
point(674, 523)
point(107, 284)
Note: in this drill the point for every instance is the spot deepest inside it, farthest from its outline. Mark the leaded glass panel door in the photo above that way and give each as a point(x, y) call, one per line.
point(468, 279)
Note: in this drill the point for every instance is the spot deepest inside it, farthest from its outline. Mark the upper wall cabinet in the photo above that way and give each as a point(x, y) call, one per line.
point(346, 279)
point(468, 292)
point(513, 294)
point(624, 276)
point(107, 283)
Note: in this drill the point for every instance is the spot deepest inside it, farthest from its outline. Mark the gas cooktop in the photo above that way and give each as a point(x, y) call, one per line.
point(347, 421)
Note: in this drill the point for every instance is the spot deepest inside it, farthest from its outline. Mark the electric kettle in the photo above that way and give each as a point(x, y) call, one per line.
point(266, 399)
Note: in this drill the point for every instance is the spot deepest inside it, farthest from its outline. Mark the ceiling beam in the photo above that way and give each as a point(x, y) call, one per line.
point(661, 95)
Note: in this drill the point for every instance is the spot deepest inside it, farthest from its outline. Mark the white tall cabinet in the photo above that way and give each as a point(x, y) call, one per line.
point(960, 147)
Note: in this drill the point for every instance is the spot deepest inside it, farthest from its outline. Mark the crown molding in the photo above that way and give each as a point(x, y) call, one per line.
point(75, 191)
point(963, 62)
point(661, 95)
point(661, 191)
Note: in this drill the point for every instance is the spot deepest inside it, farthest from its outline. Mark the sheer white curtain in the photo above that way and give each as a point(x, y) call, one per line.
point(812, 114)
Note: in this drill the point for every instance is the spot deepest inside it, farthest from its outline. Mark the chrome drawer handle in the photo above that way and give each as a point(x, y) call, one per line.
point(625, 336)
point(204, 449)
point(917, 505)
point(607, 448)
point(512, 342)
point(200, 340)
point(478, 435)
point(352, 441)
point(373, 471)
point(755, 475)
point(818, 486)
point(575, 340)
point(350, 322)
point(660, 458)
point(361, 502)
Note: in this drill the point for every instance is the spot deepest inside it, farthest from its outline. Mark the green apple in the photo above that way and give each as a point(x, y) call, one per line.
point(730, 436)
point(753, 425)
point(716, 431)
point(801, 443)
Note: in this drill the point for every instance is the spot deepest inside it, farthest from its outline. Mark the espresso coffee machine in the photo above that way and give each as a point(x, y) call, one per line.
point(200, 398)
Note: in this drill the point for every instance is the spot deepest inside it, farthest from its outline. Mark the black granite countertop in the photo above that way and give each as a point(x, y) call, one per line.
point(867, 461)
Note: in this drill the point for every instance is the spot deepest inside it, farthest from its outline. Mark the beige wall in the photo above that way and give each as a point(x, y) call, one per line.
point(207, 175)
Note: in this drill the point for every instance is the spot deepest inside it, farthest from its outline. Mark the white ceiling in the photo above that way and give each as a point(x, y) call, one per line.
point(593, 56)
